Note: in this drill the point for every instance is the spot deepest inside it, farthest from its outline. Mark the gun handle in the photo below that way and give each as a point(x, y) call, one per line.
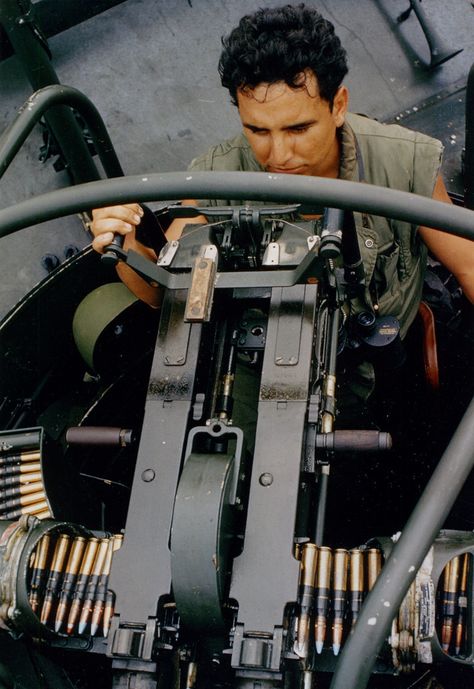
point(113, 251)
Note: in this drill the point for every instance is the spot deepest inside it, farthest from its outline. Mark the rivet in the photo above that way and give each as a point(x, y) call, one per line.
point(266, 479)
point(148, 475)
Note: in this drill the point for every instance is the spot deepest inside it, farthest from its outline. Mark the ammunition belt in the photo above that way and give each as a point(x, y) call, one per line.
point(332, 587)
point(22, 486)
point(68, 583)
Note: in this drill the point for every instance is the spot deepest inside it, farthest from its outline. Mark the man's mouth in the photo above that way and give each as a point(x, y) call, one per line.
point(287, 170)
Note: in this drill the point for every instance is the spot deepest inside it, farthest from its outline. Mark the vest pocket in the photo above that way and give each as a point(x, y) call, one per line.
point(386, 270)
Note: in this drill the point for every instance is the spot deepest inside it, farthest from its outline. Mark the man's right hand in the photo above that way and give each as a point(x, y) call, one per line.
point(123, 220)
point(106, 222)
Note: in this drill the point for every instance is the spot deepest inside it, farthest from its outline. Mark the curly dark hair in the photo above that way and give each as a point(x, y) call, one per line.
point(278, 44)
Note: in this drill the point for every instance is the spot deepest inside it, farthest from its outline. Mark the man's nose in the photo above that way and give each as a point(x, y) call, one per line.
point(280, 150)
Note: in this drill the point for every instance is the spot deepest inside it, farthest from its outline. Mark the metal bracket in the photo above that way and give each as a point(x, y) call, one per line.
point(201, 291)
point(132, 641)
point(168, 253)
point(217, 429)
point(272, 255)
point(257, 652)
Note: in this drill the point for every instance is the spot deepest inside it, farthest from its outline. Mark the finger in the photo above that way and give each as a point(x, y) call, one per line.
point(98, 227)
point(131, 213)
point(102, 241)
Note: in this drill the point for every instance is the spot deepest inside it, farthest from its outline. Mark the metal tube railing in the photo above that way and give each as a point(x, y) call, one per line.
point(37, 105)
point(30, 46)
point(259, 186)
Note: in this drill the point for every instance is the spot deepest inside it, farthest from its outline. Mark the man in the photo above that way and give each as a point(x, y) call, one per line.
point(284, 69)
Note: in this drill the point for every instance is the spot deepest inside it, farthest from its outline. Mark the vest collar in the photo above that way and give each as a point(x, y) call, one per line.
point(351, 166)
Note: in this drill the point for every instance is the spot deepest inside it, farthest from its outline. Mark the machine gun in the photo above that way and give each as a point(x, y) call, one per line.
point(237, 582)
point(232, 579)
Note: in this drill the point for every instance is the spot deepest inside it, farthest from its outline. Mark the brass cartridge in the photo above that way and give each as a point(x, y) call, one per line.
point(341, 560)
point(462, 605)
point(8, 460)
point(16, 469)
point(81, 583)
point(69, 580)
point(110, 595)
point(21, 489)
point(108, 612)
point(323, 579)
point(101, 591)
point(55, 576)
point(308, 566)
point(92, 584)
point(374, 566)
point(22, 501)
point(44, 514)
point(450, 593)
point(19, 479)
point(39, 572)
point(34, 509)
point(117, 540)
point(356, 568)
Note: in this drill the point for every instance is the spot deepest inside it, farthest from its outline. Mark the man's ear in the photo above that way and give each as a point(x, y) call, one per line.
point(340, 104)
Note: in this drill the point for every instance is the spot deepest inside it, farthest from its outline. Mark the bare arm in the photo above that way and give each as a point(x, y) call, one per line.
point(123, 220)
point(456, 253)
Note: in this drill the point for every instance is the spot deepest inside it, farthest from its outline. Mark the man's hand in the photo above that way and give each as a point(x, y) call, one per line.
point(106, 222)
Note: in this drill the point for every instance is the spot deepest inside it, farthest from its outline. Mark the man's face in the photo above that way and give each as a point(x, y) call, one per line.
point(293, 130)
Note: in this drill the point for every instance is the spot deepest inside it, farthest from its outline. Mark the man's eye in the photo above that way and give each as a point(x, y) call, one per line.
point(299, 130)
